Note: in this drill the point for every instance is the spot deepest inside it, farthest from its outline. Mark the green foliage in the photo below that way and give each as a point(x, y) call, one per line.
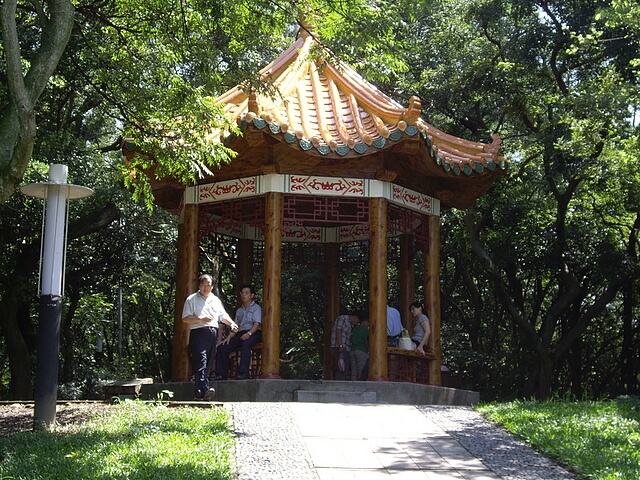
point(559, 84)
point(558, 80)
point(160, 65)
point(131, 440)
point(136, 253)
point(302, 324)
point(597, 439)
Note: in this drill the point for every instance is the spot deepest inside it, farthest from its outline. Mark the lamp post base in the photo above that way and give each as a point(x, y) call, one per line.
point(46, 388)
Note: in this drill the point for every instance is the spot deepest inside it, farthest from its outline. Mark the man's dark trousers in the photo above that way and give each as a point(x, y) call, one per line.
point(202, 347)
point(222, 356)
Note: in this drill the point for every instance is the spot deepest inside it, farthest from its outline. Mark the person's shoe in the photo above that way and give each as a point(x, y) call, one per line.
point(209, 395)
point(242, 376)
point(217, 378)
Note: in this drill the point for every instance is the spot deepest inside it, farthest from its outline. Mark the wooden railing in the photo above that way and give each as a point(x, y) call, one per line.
point(408, 365)
point(254, 366)
point(402, 365)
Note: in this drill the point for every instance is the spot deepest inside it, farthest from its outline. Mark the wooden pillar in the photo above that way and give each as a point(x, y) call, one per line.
point(186, 284)
point(406, 270)
point(432, 296)
point(331, 301)
point(244, 271)
point(274, 202)
point(378, 289)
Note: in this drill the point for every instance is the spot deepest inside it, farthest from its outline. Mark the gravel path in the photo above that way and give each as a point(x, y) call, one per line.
point(494, 446)
point(270, 446)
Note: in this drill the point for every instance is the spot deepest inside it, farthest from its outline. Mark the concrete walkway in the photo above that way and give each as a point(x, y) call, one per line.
point(331, 441)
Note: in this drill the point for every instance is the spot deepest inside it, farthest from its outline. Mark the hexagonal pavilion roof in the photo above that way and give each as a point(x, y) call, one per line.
point(325, 119)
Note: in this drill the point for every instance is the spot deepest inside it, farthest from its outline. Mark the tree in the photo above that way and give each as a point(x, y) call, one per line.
point(548, 242)
point(158, 65)
point(540, 278)
point(51, 25)
point(97, 72)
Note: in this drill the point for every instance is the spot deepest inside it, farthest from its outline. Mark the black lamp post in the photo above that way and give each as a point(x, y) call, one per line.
point(56, 192)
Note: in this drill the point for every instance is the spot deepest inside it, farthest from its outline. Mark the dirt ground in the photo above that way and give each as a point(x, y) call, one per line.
point(18, 416)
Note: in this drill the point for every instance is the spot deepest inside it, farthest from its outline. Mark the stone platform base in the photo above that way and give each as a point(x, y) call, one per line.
point(321, 391)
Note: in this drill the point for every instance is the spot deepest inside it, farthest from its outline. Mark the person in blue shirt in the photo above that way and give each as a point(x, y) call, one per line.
point(394, 326)
point(249, 320)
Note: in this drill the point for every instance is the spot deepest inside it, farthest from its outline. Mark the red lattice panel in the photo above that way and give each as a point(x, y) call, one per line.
point(301, 210)
point(232, 213)
point(308, 210)
point(410, 222)
point(255, 366)
point(409, 367)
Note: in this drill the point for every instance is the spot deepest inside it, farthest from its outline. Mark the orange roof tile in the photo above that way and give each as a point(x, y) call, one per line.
point(332, 110)
point(325, 119)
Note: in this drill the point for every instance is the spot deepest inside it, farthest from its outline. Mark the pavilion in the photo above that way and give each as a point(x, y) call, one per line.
point(330, 159)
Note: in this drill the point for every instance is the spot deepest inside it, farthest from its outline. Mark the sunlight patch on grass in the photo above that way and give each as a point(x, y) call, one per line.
point(600, 439)
point(133, 440)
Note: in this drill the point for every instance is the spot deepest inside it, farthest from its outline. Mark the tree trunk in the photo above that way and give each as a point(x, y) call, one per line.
point(25, 272)
point(17, 350)
point(630, 355)
point(68, 336)
point(18, 120)
point(546, 375)
point(575, 357)
point(546, 343)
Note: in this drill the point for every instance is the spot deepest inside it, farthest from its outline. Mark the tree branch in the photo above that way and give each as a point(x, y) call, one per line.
point(498, 282)
point(11, 45)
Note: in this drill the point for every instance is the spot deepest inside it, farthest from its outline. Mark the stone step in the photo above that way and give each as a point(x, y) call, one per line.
point(333, 396)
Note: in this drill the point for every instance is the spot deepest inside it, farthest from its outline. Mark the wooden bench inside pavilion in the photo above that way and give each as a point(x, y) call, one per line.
point(330, 160)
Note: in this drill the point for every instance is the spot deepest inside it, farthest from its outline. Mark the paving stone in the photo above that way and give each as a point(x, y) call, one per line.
point(306, 441)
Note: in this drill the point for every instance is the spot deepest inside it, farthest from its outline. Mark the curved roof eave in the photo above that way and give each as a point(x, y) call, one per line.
point(330, 110)
point(327, 119)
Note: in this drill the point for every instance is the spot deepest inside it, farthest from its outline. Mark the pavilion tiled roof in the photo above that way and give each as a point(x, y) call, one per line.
point(317, 117)
point(330, 110)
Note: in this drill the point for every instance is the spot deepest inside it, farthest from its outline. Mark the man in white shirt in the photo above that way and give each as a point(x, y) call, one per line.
point(202, 311)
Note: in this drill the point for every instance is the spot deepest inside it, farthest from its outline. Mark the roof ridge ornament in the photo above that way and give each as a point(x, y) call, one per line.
point(412, 113)
point(253, 102)
point(494, 147)
point(307, 28)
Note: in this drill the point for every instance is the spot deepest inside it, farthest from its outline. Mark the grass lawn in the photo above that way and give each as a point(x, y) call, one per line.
point(135, 440)
point(132, 440)
point(597, 440)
